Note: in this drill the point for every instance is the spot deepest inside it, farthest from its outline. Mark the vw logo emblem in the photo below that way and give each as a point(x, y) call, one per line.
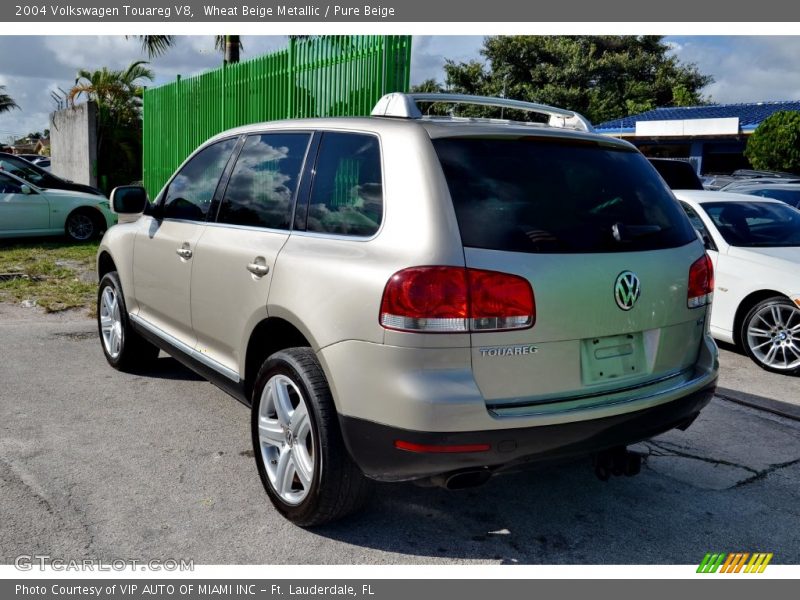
point(627, 290)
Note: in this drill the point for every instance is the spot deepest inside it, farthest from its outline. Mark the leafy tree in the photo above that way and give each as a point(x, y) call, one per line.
point(118, 95)
point(600, 76)
point(428, 86)
point(775, 144)
point(6, 101)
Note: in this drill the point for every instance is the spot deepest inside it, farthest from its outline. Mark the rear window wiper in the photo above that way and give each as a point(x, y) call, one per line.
point(624, 233)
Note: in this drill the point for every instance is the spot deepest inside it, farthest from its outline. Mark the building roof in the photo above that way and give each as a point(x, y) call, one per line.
point(750, 115)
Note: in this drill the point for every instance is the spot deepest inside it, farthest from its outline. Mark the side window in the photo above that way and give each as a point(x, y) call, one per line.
point(9, 186)
point(697, 223)
point(347, 193)
point(190, 192)
point(264, 180)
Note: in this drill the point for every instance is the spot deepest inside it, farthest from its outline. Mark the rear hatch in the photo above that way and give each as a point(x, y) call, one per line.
point(607, 251)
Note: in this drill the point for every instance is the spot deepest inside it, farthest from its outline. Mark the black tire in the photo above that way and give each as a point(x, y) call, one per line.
point(83, 225)
point(337, 488)
point(135, 353)
point(772, 336)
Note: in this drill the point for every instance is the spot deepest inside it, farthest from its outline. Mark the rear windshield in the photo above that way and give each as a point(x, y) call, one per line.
point(679, 175)
point(536, 195)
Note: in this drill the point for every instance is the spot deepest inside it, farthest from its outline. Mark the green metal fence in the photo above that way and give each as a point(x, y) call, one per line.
point(313, 77)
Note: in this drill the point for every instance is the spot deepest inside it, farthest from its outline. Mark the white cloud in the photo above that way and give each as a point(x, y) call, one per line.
point(44, 63)
point(428, 54)
point(747, 68)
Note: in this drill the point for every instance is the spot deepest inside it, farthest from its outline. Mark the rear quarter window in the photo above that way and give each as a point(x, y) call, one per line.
point(347, 193)
point(534, 194)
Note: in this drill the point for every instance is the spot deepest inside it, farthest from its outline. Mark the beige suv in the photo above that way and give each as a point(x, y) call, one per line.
point(401, 297)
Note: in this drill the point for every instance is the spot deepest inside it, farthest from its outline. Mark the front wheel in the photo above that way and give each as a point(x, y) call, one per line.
point(123, 348)
point(82, 226)
point(771, 335)
point(299, 451)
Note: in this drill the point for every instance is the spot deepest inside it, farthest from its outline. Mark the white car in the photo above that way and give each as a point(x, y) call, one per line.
point(27, 210)
point(755, 246)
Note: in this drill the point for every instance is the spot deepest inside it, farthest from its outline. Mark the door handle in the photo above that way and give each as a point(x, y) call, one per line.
point(184, 251)
point(258, 267)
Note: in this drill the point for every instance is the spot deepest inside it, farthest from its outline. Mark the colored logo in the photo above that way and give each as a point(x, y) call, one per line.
point(734, 562)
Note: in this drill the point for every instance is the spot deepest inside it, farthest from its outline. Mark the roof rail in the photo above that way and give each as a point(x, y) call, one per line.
point(405, 106)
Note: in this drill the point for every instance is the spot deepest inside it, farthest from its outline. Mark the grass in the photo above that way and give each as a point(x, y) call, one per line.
point(54, 274)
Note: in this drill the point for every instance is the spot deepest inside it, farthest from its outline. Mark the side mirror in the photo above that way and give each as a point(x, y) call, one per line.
point(128, 200)
point(25, 189)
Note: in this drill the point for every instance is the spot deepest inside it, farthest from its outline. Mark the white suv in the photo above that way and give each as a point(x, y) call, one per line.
point(409, 298)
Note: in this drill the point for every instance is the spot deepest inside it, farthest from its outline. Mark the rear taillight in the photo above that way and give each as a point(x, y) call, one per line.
point(701, 282)
point(456, 299)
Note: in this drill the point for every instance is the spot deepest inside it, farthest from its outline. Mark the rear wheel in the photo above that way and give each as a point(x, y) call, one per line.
point(123, 348)
point(300, 454)
point(771, 335)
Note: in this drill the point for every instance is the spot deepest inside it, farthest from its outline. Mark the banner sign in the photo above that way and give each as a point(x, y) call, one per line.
point(369, 11)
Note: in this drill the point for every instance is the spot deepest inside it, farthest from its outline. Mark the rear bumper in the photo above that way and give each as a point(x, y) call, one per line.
point(433, 389)
point(372, 445)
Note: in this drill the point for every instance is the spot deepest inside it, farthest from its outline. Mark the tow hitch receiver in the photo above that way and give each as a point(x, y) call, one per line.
point(616, 461)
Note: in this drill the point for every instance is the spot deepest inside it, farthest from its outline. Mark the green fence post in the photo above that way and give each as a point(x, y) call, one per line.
point(173, 123)
point(224, 91)
point(291, 78)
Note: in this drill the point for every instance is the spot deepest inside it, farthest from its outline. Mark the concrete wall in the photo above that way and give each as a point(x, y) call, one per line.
point(73, 143)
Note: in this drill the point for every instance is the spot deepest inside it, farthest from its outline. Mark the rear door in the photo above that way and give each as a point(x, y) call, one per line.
point(235, 257)
point(606, 249)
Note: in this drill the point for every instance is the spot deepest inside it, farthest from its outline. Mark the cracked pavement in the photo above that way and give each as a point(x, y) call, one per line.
point(100, 464)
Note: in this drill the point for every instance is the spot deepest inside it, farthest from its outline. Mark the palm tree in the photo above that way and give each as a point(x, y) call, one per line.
point(156, 45)
point(6, 101)
point(114, 91)
point(230, 45)
point(118, 96)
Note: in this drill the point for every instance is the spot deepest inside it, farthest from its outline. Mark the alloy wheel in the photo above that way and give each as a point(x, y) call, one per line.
point(286, 439)
point(773, 336)
point(111, 322)
point(80, 227)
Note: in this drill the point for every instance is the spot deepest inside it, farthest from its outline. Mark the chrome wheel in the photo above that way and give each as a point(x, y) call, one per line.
point(110, 322)
point(286, 439)
point(773, 336)
point(80, 227)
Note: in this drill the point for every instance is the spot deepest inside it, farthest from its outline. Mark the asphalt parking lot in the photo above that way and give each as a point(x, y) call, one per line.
point(105, 465)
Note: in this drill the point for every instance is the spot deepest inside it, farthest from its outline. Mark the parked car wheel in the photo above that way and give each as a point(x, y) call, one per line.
point(123, 348)
point(300, 454)
point(771, 335)
point(82, 226)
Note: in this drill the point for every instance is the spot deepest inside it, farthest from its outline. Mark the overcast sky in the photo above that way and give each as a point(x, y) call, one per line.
point(745, 68)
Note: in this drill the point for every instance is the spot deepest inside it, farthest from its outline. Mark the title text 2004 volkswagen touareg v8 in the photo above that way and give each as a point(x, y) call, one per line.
point(401, 297)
